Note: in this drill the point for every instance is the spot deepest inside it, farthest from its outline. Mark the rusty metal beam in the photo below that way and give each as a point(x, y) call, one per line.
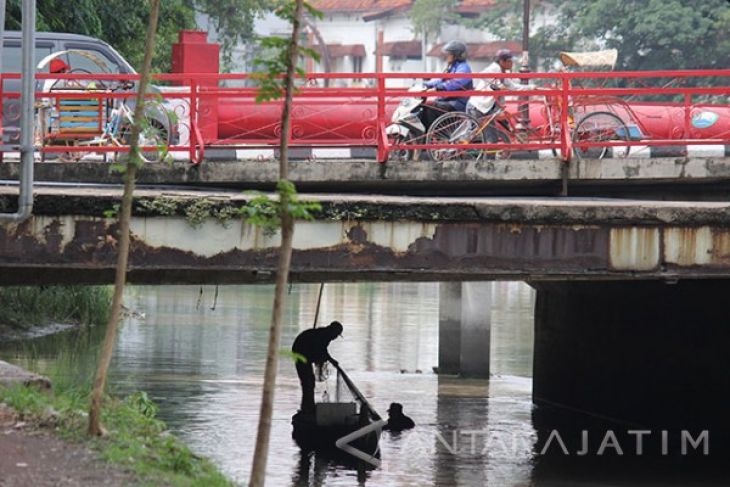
point(375, 238)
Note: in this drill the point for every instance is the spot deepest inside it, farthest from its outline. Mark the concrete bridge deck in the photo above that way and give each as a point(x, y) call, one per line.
point(180, 237)
point(617, 177)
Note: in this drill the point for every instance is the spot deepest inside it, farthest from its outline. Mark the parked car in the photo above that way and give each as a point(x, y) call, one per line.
point(80, 53)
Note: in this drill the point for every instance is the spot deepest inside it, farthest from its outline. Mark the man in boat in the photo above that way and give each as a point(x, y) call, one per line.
point(312, 345)
point(397, 421)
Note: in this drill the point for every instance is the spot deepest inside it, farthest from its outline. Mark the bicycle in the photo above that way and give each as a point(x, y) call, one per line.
point(497, 127)
point(503, 127)
point(116, 131)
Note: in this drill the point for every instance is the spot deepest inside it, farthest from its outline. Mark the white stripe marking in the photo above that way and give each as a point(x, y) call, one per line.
point(637, 151)
point(254, 154)
point(332, 153)
point(713, 150)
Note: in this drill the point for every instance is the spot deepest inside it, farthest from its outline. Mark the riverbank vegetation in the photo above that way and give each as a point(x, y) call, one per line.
point(23, 307)
point(137, 440)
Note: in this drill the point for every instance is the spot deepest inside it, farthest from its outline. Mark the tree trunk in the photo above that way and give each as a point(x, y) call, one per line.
point(95, 427)
point(258, 469)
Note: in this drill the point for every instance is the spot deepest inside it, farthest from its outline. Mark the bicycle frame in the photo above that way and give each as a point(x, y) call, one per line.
point(113, 127)
point(515, 131)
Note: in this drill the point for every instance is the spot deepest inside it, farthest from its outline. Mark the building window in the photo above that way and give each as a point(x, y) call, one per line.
point(357, 64)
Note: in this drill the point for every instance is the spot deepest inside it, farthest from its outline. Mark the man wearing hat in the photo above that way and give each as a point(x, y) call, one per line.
point(397, 421)
point(312, 345)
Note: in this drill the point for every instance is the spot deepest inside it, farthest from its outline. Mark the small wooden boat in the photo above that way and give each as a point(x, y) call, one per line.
point(331, 422)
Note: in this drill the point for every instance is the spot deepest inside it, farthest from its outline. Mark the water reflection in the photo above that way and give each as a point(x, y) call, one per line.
point(461, 417)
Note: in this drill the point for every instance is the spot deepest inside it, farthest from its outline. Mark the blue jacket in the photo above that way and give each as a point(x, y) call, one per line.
point(454, 84)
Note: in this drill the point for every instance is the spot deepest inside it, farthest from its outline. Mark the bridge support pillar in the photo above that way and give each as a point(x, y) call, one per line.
point(642, 353)
point(464, 328)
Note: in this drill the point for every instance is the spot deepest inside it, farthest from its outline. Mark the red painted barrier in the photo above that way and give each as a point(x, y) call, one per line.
point(349, 116)
point(209, 115)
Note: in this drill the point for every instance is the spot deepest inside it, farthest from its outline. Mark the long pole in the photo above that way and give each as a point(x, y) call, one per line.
point(353, 388)
point(424, 45)
point(27, 98)
point(525, 68)
point(319, 302)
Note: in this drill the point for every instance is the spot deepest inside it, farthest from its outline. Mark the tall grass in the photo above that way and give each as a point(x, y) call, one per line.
point(26, 306)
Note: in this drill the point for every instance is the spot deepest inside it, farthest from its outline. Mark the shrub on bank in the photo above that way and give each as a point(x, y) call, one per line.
point(137, 440)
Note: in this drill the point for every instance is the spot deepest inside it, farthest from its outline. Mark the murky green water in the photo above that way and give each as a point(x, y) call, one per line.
point(201, 355)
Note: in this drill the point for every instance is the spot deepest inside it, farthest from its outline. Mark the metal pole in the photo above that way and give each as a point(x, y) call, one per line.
point(2, 35)
point(424, 60)
point(525, 68)
point(25, 199)
point(2, 32)
point(319, 302)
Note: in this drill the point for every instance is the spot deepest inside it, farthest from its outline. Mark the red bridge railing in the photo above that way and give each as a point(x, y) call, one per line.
point(352, 111)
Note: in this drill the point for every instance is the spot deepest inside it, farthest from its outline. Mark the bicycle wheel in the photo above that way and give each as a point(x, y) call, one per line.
point(71, 156)
point(402, 154)
point(496, 134)
point(600, 127)
point(454, 128)
point(154, 132)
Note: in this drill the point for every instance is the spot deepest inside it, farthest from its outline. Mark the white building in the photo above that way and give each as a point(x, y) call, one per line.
point(351, 29)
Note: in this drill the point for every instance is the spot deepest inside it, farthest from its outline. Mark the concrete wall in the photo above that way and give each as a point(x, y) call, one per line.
point(635, 353)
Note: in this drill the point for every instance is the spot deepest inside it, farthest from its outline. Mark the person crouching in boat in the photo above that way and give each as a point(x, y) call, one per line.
point(312, 345)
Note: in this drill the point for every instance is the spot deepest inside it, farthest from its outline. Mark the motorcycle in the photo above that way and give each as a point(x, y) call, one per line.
point(406, 127)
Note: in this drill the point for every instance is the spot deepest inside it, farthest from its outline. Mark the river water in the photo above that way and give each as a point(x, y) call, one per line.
point(199, 352)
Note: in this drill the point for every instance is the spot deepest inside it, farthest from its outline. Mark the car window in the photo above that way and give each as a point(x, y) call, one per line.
point(12, 59)
point(80, 62)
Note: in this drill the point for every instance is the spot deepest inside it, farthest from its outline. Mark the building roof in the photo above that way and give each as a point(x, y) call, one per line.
point(481, 50)
point(474, 7)
point(385, 12)
point(358, 5)
point(342, 50)
point(402, 49)
point(378, 8)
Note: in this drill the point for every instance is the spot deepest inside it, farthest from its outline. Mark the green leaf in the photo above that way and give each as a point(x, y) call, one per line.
point(117, 168)
point(113, 212)
point(297, 357)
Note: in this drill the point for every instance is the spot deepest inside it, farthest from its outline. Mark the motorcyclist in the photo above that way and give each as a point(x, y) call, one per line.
point(455, 52)
point(480, 106)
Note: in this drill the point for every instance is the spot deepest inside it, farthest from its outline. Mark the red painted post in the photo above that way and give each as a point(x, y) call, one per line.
point(566, 148)
point(193, 54)
point(381, 137)
point(2, 106)
point(687, 115)
point(193, 142)
point(382, 152)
